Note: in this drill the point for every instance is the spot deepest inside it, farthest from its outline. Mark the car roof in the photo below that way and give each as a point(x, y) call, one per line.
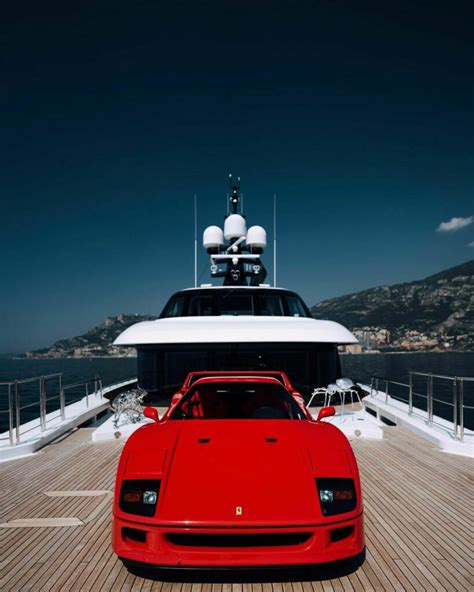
point(237, 379)
point(279, 374)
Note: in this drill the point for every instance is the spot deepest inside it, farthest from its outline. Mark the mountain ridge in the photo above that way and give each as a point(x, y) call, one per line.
point(97, 342)
point(432, 314)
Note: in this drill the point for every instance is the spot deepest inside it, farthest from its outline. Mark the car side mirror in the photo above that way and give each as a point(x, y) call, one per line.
point(151, 413)
point(326, 412)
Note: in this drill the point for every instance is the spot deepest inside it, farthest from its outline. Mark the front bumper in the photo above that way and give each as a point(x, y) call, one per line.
point(152, 545)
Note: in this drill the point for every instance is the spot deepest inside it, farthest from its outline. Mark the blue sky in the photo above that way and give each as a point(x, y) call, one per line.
point(359, 118)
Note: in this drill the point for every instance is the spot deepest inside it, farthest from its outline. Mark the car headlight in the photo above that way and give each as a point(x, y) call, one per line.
point(336, 496)
point(139, 496)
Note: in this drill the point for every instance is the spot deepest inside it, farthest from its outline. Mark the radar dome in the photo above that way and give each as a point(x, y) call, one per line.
point(257, 237)
point(234, 227)
point(213, 237)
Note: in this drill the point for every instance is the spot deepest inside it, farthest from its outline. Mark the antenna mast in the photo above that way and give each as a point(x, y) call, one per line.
point(195, 241)
point(234, 194)
point(274, 240)
point(235, 252)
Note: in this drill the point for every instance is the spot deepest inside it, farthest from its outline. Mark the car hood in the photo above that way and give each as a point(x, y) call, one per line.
point(253, 472)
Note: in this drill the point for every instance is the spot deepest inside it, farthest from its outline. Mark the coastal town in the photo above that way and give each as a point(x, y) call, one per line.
point(375, 340)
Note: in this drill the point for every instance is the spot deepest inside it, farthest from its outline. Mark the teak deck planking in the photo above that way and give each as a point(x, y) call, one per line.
point(418, 521)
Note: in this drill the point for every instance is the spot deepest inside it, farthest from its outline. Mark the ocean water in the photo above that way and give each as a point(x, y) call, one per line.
point(397, 366)
point(358, 367)
point(111, 370)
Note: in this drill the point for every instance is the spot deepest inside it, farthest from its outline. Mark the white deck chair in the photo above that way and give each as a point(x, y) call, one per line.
point(328, 391)
point(345, 387)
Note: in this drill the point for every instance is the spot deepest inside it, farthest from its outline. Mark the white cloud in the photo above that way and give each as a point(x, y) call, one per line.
point(455, 224)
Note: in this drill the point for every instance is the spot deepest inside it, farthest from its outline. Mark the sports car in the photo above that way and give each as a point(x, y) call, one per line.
point(237, 473)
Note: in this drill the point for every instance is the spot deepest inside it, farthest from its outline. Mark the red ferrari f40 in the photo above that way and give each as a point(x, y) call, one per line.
point(237, 473)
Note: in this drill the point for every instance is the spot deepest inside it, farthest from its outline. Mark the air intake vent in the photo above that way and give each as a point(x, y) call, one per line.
point(239, 540)
point(133, 534)
point(340, 534)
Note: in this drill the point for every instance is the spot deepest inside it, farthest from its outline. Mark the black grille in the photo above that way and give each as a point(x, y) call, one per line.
point(134, 534)
point(340, 534)
point(238, 540)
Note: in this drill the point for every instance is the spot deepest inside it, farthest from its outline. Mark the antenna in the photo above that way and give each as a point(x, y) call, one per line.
point(274, 240)
point(234, 197)
point(195, 242)
point(227, 197)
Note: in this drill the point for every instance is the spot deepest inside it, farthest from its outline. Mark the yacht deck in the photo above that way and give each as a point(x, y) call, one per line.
point(55, 513)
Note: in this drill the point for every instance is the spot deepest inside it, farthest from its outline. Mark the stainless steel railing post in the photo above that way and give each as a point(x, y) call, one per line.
point(101, 388)
point(42, 404)
point(371, 386)
point(455, 407)
point(386, 391)
point(430, 399)
point(427, 395)
point(410, 395)
point(17, 412)
point(461, 410)
point(62, 401)
point(10, 413)
point(95, 387)
point(87, 394)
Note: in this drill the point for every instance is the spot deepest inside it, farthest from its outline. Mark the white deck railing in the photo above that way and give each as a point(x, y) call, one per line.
point(457, 388)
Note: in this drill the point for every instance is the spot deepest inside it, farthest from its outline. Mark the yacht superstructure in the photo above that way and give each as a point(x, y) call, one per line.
point(243, 324)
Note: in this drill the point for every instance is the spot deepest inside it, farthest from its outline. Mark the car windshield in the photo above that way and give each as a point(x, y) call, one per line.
point(237, 400)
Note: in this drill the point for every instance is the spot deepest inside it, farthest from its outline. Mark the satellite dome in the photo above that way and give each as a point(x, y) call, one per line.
point(234, 227)
point(213, 237)
point(257, 237)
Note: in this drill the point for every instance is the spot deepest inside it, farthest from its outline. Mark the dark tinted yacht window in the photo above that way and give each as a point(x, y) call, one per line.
point(162, 368)
point(201, 305)
point(235, 301)
point(269, 305)
point(295, 306)
point(236, 304)
point(174, 308)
